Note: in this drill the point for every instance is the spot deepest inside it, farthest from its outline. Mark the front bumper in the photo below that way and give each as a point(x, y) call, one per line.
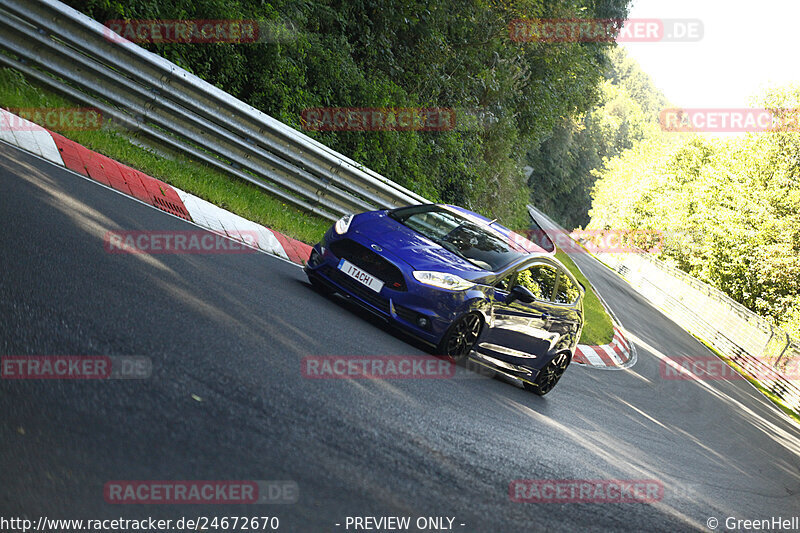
point(423, 311)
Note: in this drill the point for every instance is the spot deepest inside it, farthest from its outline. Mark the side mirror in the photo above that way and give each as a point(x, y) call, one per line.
point(523, 294)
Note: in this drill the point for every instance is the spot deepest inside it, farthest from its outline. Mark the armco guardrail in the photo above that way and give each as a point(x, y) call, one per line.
point(74, 55)
point(764, 351)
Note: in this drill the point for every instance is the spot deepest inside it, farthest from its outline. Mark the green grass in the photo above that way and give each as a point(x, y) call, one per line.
point(766, 392)
point(597, 328)
point(237, 196)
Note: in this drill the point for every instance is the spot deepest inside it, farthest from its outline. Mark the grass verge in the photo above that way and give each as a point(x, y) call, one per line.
point(766, 392)
point(597, 328)
point(235, 195)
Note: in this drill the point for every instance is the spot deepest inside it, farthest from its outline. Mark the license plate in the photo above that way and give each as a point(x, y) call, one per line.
point(359, 275)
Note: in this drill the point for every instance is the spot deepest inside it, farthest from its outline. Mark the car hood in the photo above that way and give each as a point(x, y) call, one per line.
point(406, 244)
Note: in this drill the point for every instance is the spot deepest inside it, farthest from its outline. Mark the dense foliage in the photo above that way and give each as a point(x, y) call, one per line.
point(730, 208)
point(563, 164)
point(376, 53)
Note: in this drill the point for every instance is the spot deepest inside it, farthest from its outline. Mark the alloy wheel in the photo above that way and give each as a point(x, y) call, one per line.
point(462, 337)
point(549, 375)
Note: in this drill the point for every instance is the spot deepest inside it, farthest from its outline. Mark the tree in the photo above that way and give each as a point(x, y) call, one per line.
point(731, 208)
point(565, 163)
point(414, 53)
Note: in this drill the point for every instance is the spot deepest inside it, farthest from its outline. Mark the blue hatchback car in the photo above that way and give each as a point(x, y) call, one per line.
point(462, 283)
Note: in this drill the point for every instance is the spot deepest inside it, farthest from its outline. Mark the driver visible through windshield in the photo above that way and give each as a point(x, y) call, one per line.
point(472, 240)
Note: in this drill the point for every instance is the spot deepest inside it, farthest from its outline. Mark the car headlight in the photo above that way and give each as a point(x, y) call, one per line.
point(343, 224)
point(442, 280)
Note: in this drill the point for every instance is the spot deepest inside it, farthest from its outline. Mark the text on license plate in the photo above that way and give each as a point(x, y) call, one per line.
point(359, 275)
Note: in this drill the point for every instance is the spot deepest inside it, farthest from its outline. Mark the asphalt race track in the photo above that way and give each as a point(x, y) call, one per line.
point(226, 334)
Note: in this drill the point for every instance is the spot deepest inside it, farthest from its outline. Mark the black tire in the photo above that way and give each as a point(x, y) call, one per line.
point(548, 376)
point(461, 337)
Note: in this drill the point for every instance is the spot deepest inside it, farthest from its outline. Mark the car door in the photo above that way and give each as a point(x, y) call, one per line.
point(566, 312)
point(520, 332)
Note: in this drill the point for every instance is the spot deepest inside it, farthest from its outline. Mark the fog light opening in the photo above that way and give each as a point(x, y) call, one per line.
point(315, 258)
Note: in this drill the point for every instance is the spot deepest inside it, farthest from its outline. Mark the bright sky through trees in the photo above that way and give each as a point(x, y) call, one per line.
point(742, 50)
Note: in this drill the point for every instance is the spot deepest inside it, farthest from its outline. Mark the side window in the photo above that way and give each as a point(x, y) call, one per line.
point(567, 292)
point(540, 280)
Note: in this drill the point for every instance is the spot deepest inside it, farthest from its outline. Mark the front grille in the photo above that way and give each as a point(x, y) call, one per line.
point(355, 288)
point(370, 262)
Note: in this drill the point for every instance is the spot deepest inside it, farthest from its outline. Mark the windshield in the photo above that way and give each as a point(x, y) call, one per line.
point(470, 239)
